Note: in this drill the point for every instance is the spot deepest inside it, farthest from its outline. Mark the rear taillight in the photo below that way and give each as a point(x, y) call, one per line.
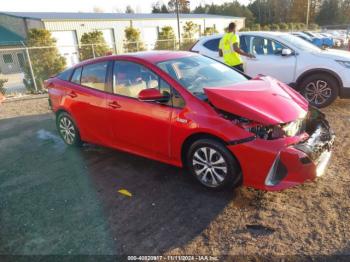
point(48, 84)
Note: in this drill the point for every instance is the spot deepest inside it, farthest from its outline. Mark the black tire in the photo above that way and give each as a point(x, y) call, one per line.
point(320, 90)
point(215, 175)
point(68, 130)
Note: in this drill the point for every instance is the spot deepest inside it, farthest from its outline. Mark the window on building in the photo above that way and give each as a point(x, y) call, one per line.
point(20, 58)
point(94, 76)
point(8, 59)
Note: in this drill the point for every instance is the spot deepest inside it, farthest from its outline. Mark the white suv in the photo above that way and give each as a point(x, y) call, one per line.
point(320, 75)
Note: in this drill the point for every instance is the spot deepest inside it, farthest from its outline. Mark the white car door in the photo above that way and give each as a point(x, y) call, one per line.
point(269, 60)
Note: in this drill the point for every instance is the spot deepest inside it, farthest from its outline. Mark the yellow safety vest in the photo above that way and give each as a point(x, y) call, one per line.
point(231, 58)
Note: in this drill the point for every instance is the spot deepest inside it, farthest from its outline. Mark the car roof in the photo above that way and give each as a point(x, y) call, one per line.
point(256, 33)
point(264, 33)
point(147, 56)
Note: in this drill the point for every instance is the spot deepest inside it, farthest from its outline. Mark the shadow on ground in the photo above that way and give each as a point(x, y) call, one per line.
point(59, 200)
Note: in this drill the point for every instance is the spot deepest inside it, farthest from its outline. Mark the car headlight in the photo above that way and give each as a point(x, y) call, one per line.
point(344, 63)
point(293, 128)
point(278, 131)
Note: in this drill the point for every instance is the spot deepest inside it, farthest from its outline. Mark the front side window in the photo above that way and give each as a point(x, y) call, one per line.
point(129, 79)
point(198, 72)
point(94, 76)
point(265, 46)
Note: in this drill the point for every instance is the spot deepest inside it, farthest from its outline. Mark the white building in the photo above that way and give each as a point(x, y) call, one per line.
point(68, 28)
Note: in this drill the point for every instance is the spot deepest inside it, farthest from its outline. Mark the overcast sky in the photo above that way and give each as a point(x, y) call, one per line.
point(140, 6)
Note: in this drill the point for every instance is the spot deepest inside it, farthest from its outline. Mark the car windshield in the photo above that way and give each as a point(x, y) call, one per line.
point(299, 43)
point(198, 72)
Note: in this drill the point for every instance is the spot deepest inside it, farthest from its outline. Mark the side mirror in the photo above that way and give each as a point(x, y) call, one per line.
point(286, 52)
point(153, 95)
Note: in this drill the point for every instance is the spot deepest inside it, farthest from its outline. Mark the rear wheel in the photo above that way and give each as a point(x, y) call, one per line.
point(212, 164)
point(320, 90)
point(68, 129)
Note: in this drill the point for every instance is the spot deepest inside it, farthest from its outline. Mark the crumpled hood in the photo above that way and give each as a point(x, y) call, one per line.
point(263, 99)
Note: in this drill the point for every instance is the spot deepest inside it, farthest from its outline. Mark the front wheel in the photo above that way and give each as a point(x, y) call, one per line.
point(212, 164)
point(319, 90)
point(68, 130)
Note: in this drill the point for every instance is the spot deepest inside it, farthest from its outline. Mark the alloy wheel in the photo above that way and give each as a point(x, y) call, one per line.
point(209, 166)
point(67, 130)
point(318, 92)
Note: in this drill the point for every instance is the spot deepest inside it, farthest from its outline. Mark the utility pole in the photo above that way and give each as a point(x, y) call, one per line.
point(178, 23)
point(307, 14)
point(259, 8)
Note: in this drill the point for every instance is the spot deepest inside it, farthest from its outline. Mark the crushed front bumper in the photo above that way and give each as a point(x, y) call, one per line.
point(302, 161)
point(279, 164)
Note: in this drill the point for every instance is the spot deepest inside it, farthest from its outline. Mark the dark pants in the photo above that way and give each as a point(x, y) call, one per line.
point(239, 67)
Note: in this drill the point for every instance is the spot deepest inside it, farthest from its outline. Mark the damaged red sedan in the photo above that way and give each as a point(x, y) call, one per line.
point(191, 111)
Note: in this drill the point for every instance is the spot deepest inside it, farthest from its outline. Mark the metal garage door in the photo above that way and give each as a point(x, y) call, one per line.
point(150, 36)
point(67, 45)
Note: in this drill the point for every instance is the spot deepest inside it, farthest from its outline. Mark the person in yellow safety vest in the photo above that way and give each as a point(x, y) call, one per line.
point(229, 49)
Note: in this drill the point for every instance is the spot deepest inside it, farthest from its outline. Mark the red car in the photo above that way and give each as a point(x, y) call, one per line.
point(190, 111)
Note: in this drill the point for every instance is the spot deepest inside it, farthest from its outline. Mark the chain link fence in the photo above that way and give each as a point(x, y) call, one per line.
point(23, 69)
point(12, 64)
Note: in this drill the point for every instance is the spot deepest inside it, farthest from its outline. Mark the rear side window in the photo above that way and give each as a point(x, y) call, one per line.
point(213, 44)
point(76, 76)
point(245, 43)
point(65, 75)
point(94, 76)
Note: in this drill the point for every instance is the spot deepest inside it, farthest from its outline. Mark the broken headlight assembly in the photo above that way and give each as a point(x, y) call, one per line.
point(268, 132)
point(271, 132)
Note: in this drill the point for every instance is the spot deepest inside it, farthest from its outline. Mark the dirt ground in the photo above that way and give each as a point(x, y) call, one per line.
point(31, 105)
point(311, 219)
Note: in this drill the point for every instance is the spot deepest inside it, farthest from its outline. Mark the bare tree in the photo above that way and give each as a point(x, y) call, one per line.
point(129, 10)
point(98, 9)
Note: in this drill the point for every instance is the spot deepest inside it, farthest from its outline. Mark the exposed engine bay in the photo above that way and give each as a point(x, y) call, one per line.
point(321, 137)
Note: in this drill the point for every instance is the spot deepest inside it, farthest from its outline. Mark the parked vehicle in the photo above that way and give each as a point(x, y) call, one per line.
point(319, 75)
point(191, 111)
point(326, 41)
point(314, 40)
point(336, 42)
point(341, 36)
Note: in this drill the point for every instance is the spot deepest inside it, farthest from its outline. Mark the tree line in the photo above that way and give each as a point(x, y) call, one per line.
point(269, 12)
